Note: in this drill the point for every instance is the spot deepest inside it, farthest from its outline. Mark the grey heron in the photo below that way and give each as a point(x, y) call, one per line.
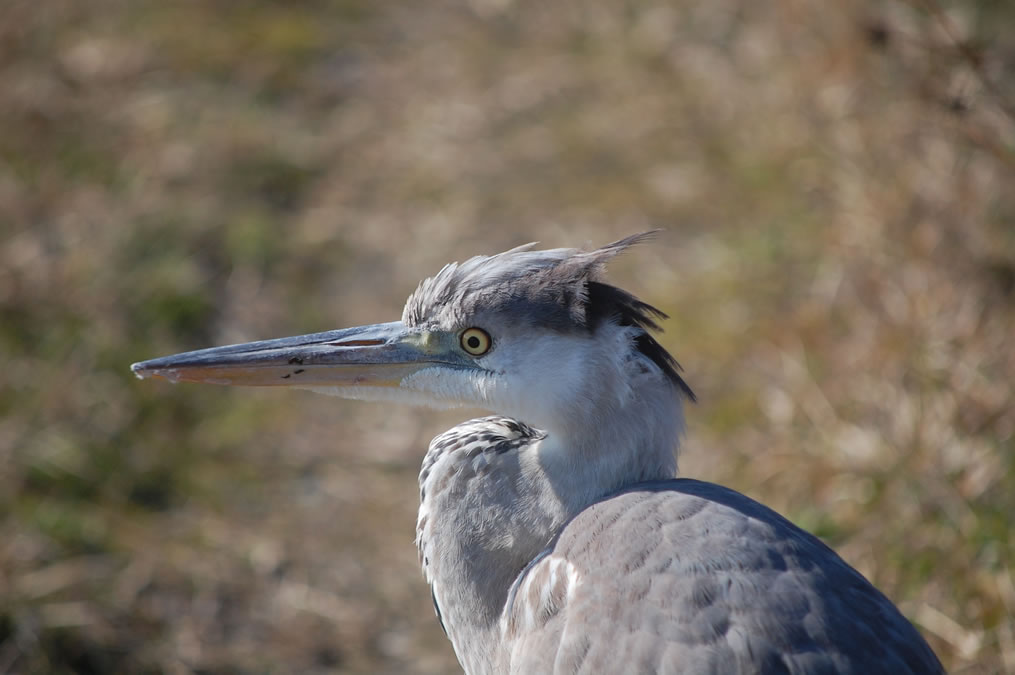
point(555, 536)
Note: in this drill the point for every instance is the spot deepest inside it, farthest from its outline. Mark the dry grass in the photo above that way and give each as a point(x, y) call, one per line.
point(836, 185)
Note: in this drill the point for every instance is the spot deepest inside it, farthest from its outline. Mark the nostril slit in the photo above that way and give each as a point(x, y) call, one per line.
point(357, 343)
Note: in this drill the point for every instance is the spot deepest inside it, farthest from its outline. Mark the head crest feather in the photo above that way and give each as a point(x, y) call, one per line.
point(560, 289)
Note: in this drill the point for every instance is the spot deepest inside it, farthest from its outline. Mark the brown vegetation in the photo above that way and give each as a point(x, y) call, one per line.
point(837, 186)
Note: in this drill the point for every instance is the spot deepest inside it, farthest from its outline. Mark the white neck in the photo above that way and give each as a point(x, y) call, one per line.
point(485, 515)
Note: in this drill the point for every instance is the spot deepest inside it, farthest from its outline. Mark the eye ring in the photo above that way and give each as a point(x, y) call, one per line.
point(475, 341)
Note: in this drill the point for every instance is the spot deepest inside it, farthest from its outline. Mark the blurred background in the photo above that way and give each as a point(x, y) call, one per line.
point(836, 186)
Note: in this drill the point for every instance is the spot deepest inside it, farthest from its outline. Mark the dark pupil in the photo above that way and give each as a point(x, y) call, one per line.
point(473, 342)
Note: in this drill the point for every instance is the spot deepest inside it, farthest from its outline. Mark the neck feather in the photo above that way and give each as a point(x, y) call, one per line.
point(495, 492)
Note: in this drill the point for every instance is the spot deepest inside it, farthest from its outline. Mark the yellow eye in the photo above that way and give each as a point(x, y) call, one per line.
point(476, 341)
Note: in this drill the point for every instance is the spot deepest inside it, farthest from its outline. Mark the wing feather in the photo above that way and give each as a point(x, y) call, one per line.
point(682, 576)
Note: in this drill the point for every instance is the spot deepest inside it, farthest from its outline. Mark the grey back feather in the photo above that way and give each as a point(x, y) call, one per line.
point(682, 576)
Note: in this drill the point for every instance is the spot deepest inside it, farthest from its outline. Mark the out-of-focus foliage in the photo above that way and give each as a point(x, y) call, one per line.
point(837, 182)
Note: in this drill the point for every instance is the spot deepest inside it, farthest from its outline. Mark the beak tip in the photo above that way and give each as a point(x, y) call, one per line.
point(143, 370)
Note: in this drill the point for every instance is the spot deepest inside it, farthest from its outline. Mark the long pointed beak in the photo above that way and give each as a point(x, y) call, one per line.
point(379, 355)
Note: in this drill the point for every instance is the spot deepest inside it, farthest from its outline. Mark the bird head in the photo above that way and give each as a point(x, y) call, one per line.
point(532, 334)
